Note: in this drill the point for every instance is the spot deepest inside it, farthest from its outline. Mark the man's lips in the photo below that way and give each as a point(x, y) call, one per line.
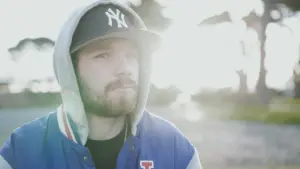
point(122, 84)
point(124, 87)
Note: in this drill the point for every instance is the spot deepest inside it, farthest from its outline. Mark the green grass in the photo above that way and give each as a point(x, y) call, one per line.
point(262, 114)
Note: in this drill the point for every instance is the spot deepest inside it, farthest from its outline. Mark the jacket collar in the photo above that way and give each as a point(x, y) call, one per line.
point(68, 128)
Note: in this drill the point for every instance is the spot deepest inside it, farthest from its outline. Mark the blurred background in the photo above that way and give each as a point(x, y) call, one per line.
point(227, 73)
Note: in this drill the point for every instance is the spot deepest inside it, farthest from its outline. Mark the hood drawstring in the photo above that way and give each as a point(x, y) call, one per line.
point(129, 133)
point(128, 125)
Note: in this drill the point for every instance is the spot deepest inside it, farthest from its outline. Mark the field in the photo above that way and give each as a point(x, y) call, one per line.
point(221, 144)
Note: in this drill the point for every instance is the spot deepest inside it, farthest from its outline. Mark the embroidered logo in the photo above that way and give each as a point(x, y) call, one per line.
point(117, 16)
point(146, 164)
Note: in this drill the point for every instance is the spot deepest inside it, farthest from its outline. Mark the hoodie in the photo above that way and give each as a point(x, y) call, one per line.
point(57, 140)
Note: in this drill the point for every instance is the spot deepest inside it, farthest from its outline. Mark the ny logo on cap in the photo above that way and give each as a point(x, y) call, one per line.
point(117, 16)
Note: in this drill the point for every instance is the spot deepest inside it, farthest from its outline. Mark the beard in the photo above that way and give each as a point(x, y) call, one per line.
point(115, 101)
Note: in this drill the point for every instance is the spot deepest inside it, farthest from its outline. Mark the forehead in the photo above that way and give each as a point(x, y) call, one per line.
point(108, 44)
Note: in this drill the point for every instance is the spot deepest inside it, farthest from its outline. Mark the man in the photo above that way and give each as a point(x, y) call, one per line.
point(102, 63)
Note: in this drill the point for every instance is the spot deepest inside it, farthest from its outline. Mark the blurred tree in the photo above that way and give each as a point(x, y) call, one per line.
point(243, 89)
point(288, 8)
point(162, 96)
point(39, 43)
point(296, 80)
point(294, 5)
point(150, 12)
point(223, 17)
point(259, 23)
point(251, 20)
point(261, 87)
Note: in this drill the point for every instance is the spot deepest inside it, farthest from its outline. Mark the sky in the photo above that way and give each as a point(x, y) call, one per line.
point(205, 56)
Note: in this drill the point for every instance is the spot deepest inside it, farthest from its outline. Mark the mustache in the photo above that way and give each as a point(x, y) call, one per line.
point(122, 83)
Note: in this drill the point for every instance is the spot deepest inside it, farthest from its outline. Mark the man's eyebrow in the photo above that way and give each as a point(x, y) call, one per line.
point(103, 45)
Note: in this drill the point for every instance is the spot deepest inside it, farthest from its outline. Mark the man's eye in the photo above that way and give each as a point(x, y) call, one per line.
point(103, 55)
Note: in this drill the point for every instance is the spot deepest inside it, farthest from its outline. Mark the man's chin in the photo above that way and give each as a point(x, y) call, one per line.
point(118, 111)
point(122, 108)
point(122, 96)
point(122, 104)
point(113, 111)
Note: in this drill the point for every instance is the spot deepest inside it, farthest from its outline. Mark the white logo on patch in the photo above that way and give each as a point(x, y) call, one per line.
point(146, 164)
point(117, 16)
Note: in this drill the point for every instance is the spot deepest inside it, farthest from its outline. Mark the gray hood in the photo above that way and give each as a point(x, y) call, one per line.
point(72, 102)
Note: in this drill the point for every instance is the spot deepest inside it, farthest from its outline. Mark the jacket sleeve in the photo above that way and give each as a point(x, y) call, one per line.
point(7, 154)
point(195, 161)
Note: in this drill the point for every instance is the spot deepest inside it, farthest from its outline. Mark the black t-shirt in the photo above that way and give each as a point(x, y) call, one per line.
point(105, 152)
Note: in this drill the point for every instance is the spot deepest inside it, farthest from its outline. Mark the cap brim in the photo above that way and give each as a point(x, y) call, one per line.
point(146, 40)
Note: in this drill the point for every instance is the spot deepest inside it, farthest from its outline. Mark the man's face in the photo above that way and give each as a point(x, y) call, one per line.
point(108, 77)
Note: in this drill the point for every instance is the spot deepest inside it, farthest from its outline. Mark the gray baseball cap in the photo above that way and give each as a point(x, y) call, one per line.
point(112, 20)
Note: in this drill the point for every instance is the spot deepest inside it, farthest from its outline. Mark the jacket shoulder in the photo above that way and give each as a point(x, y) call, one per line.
point(25, 140)
point(159, 126)
point(165, 135)
point(32, 130)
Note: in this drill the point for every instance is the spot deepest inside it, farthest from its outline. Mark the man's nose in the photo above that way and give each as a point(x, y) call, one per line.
point(123, 66)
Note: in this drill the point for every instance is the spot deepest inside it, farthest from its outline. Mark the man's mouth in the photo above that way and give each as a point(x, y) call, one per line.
point(128, 84)
point(125, 86)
